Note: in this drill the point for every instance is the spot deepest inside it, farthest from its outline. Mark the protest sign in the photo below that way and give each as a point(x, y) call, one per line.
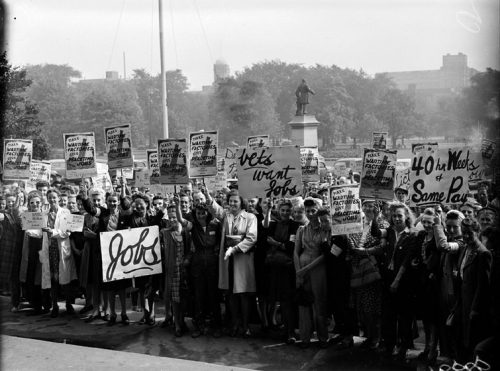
point(379, 139)
point(127, 173)
point(269, 172)
point(377, 174)
point(130, 253)
point(33, 220)
point(153, 166)
point(80, 155)
point(17, 154)
point(310, 164)
point(163, 189)
point(345, 208)
point(418, 147)
point(72, 223)
point(231, 163)
point(257, 141)
point(141, 177)
point(40, 171)
point(439, 177)
point(203, 154)
point(402, 179)
point(477, 167)
point(118, 141)
point(488, 148)
point(172, 161)
point(216, 183)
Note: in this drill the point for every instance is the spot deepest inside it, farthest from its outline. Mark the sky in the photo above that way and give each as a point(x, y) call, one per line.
point(92, 36)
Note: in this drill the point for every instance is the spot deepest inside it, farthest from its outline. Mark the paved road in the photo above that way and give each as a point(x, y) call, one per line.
point(259, 352)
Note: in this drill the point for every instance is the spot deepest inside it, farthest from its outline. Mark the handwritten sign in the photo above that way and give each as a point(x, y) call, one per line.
point(162, 189)
point(203, 154)
point(216, 183)
point(80, 155)
point(153, 166)
point(269, 172)
point(345, 208)
point(33, 220)
point(310, 164)
point(40, 171)
point(72, 223)
point(119, 146)
point(130, 253)
point(402, 179)
point(172, 161)
point(377, 174)
point(141, 177)
point(439, 177)
point(419, 147)
point(379, 139)
point(17, 154)
point(231, 163)
point(257, 141)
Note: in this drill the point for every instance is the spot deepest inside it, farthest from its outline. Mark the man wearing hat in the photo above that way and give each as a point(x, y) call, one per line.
point(401, 194)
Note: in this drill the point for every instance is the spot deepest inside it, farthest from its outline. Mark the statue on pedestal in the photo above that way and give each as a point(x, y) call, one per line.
point(302, 94)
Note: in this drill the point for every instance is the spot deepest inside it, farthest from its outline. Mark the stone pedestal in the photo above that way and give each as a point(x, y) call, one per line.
point(304, 130)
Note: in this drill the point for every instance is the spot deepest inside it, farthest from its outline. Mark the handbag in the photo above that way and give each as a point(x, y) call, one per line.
point(365, 272)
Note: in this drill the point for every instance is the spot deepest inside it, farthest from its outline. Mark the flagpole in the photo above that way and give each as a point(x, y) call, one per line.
point(164, 108)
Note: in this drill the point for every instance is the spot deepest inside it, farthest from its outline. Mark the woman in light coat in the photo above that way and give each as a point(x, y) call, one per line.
point(236, 257)
point(58, 266)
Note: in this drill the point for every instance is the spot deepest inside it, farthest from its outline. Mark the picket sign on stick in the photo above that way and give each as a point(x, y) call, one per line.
point(119, 146)
point(379, 139)
point(345, 208)
point(40, 171)
point(231, 163)
point(17, 156)
point(257, 141)
point(130, 253)
point(153, 166)
point(203, 154)
point(377, 174)
point(439, 176)
point(269, 172)
point(172, 161)
point(80, 155)
point(310, 164)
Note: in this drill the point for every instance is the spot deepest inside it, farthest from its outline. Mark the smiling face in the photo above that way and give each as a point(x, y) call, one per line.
point(369, 210)
point(453, 227)
point(234, 204)
point(311, 211)
point(35, 204)
point(486, 219)
point(198, 198)
point(252, 204)
point(53, 199)
point(112, 202)
point(140, 207)
point(97, 199)
point(72, 205)
point(399, 218)
point(468, 212)
point(63, 201)
point(285, 212)
point(184, 202)
point(11, 201)
point(427, 222)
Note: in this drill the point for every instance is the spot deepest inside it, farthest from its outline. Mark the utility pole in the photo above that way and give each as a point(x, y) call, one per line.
point(164, 109)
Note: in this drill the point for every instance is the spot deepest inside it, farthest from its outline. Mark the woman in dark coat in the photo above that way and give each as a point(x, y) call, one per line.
point(279, 263)
point(473, 306)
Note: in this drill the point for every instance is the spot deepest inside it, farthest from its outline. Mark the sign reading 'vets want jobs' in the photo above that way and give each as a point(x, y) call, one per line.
point(345, 208)
point(172, 157)
point(80, 155)
point(439, 176)
point(130, 253)
point(119, 146)
point(377, 174)
point(203, 154)
point(17, 154)
point(269, 172)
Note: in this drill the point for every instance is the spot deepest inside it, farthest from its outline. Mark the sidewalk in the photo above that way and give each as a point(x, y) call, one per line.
point(28, 354)
point(260, 352)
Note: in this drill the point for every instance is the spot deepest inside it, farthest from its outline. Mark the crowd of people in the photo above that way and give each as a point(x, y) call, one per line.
point(224, 257)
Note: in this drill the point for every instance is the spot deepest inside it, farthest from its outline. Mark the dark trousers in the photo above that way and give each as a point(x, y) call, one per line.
point(204, 279)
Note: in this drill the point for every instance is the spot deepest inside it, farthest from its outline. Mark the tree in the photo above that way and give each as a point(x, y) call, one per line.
point(108, 103)
point(397, 111)
point(56, 98)
point(20, 115)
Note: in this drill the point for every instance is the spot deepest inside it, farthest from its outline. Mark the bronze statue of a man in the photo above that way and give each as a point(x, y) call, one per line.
point(302, 94)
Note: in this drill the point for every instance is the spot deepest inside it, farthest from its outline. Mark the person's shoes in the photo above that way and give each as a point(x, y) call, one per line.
point(55, 312)
point(196, 334)
point(69, 309)
point(125, 320)
point(112, 320)
point(184, 327)
point(291, 340)
point(344, 344)
point(178, 332)
point(86, 309)
point(90, 318)
point(247, 334)
point(14, 309)
point(150, 321)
